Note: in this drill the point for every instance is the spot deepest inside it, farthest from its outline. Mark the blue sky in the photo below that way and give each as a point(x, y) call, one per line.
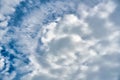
point(59, 40)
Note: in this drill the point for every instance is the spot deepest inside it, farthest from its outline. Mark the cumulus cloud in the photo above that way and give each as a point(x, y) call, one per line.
point(81, 48)
point(78, 42)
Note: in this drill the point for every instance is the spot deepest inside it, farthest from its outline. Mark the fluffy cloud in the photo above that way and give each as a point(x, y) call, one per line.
point(81, 48)
point(79, 42)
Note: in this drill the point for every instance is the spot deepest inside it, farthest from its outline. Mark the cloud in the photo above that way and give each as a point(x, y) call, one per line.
point(80, 48)
point(6, 9)
point(61, 41)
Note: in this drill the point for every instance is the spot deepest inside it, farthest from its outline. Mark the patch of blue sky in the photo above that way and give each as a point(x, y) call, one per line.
point(17, 16)
point(11, 68)
point(10, 31)
point(53, 13)
point(12, 58)
point(44, 1)
point(53, 16)
point(4, 52)
point(24, 8)
point(15, 47)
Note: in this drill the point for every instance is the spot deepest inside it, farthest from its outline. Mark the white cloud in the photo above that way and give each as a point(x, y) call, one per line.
point(74, 47)
point(1, 63)
point(72, 56)
point(104, 9)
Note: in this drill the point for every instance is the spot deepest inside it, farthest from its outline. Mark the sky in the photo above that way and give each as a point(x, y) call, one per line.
point(59, 40)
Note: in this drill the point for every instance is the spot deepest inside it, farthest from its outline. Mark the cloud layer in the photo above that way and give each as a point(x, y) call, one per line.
point(54, 40)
